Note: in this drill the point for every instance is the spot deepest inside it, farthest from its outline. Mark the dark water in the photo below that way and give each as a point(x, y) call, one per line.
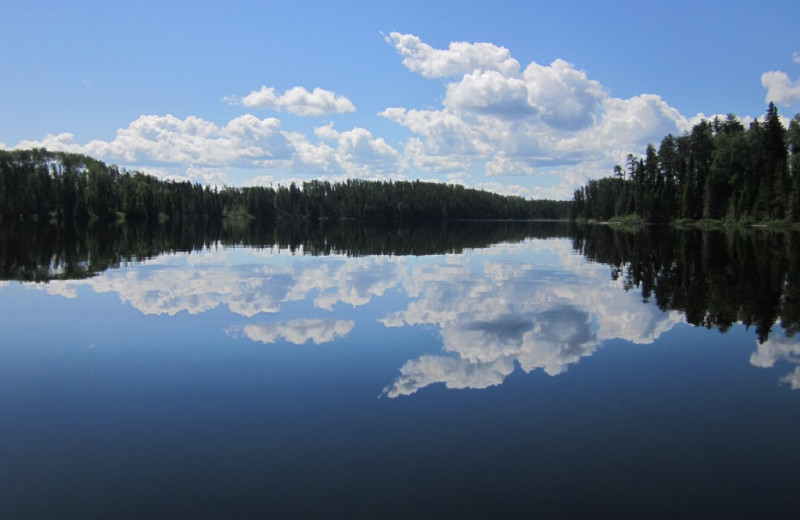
point(470, 370)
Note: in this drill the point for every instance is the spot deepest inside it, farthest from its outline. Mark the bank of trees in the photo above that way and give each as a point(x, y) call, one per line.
point(54, 185)
point(720, 170)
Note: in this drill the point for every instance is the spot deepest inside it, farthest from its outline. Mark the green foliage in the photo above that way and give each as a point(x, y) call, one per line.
point(39, 184)
point(718, 171)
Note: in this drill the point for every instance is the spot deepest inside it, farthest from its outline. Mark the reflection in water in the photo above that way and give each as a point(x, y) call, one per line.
point(547, 317)
point(298, 332)
point(487, 350)
point(43, 252)
point(714, 278)
point(780, 347)
point(527, 303)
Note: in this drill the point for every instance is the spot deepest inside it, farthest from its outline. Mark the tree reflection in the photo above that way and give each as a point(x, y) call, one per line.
point(714, 278)
point(36, 252)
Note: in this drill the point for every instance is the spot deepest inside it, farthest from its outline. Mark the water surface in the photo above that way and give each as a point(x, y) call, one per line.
point(480, 371)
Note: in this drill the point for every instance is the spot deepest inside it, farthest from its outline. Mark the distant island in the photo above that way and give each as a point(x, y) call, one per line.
point(719, 171)
point(39, 184)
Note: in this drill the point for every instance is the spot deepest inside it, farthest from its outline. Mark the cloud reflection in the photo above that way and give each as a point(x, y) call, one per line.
point(518, 314)
point(779, 347)
point(300, 331)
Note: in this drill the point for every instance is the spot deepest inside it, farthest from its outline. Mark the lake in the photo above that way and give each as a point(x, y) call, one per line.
point(463, 370)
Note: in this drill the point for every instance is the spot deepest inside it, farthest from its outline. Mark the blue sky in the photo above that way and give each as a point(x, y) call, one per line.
point(531, 98)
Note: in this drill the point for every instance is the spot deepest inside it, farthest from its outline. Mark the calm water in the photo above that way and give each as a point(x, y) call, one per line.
point(471, 371)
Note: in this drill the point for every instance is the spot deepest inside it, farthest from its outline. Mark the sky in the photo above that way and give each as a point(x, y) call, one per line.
point(517, 97)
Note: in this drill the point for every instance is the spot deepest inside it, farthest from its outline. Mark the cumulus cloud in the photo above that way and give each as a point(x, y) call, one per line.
point(503, 165)
point(197, 149)
point(460, 58)
point(564, 97)
point(244, 141)
point(296, 100)
point(780, 88)
point(360, 154)
point(300, 331)
point(488, 92)
point(512, 121)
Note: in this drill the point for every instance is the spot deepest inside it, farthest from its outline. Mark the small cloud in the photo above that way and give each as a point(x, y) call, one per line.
point(796, 58)
point(458, 59)
point(232, 100)
point(780, 88)
point(86, 82)
point(296, 100)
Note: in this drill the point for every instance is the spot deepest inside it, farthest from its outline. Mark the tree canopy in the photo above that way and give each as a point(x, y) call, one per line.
point(719, 170)
point(63, 186)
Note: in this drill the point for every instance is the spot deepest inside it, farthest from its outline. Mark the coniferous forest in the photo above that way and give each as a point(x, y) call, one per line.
point(45, 185)
point(720, 170)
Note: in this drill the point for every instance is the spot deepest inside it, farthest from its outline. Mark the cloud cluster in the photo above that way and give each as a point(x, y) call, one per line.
point(243, 141)
point(496, 119)
point(203, 150)
point(514, 120)
point(296, 100)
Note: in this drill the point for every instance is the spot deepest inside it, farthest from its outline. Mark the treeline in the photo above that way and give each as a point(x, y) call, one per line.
point(40, 184)
point(718, 171)
point(714, 278)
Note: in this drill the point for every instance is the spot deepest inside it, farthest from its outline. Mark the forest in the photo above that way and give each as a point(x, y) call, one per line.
point(718, 171)
point(44, 185)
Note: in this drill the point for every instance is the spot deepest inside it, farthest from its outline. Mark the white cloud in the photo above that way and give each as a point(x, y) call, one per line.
point(297, 101)
point(564, 97)
point(488, 92)
point(780, 88)
point(502, 165)
point(313, 158)
point(197, 149)
point(362, 155)
point(444, 132)
point(244, 141)
point(460, 58)
point(552, 115)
